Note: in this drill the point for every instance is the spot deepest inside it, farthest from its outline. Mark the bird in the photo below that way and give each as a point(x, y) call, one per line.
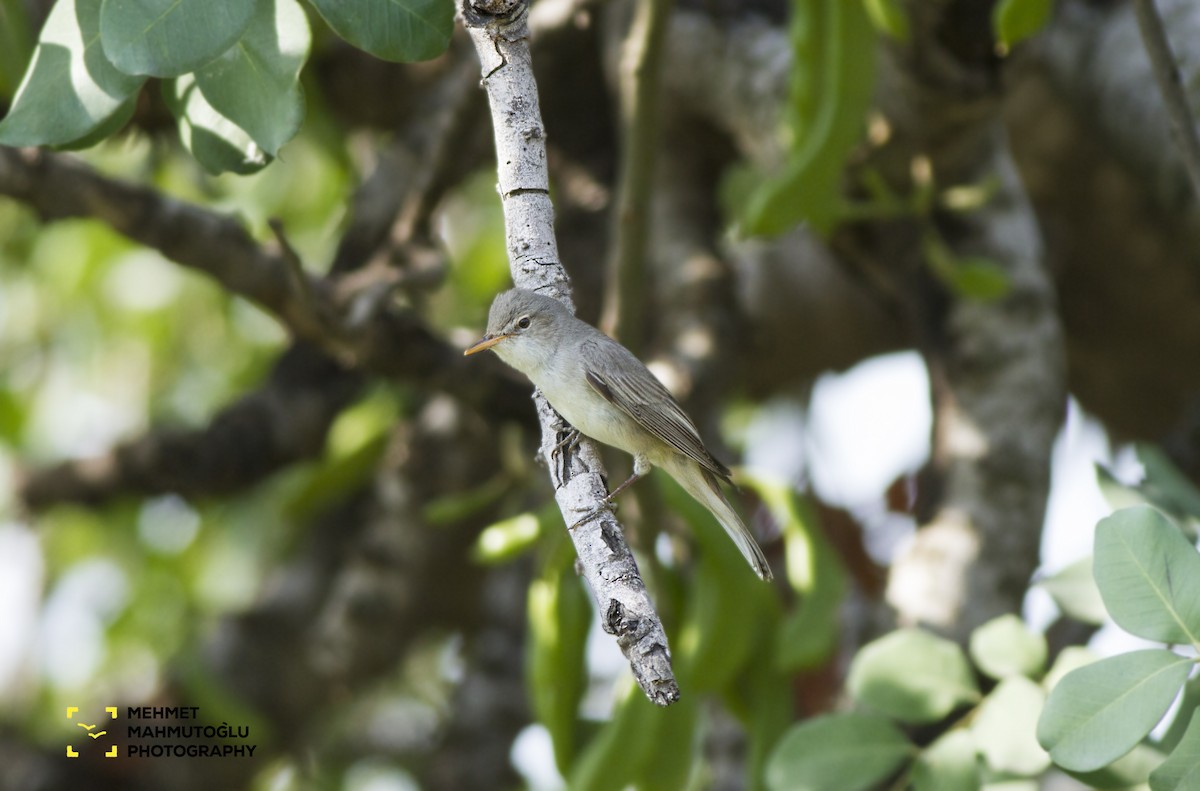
point(607, 394)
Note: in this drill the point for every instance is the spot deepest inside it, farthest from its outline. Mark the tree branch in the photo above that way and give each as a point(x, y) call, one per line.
point(282, 422)
point(500, 34)
point(286, 420)
point(638, 87)
point(997, 365)
point(1166, 73)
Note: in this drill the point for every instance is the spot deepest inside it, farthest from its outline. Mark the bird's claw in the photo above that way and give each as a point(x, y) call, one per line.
point(567, 441)
point(609, 505)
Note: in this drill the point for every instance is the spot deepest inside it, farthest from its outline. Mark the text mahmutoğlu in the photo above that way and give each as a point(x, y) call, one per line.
point(184, 732)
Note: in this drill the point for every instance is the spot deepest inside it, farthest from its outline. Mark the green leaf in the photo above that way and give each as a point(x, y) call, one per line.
point(1005, 724)
point(396, 30)
point(1149, 576)
point(725, 614)
point(107, 128)
point(1189, 701)
point(16, 45)
point(1099, 712)
point(913, 676)
point(14, 412)
point(217, 143)
point(506, 539)
point(767, 714)
point(256, 82)
point(949, 764)
point(1070, 658)
point(1181, 770)
point(674, 757)
point(979, 279)
point(334, 479)
point(615, 754)
point(889, 17)
point(559, 617)
point(70, 87)
point(168, 38)
point(837, 752)
point(1005, 647)
point(1074, 590)
point(489, 547)
point(1117, 494)
point(833, 79)
point(1165, 485)
point(814, 570)
point(970, 277)
point(1016, 20)
point(719, 631)
point(1127, 772)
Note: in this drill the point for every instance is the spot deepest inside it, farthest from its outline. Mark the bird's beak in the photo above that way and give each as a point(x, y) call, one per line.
point(487, 342)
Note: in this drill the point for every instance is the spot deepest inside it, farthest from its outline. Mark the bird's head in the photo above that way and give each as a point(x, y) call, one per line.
point(523, 328)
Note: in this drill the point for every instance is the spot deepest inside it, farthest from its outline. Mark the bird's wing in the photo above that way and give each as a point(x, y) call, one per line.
point(619, 377)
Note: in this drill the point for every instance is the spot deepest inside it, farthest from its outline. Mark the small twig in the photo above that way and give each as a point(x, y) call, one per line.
point(297, 275)
point(1166, 74)
point(641, 60)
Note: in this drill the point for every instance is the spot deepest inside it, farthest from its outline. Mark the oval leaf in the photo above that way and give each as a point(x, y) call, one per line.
point(814, 570)
point(913, 676)
point(1070, 658)
point(167, 38)
point(1017, 20)
point(397, 30)
point(1099, 712)
point(833, 79)
point(217, 143)
point(1130, 771)
point(16, 45)
point(949, 764)
point(1148, 575)
point(1189, 701)
point(838, 752)
point(560, 615)
point(1165, 485)
point(674, 742)
point(1181, 770)
point(70, 88)
point(256, 82)
point(618, 751)
point(1005, 724)
point(889, 16)
point(1074, 590)
point(1006, 647)
point(979, 278)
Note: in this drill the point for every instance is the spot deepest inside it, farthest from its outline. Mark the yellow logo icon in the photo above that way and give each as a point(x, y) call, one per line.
point(112, 713)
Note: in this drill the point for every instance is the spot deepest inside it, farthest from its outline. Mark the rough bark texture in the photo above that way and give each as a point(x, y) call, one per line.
point(501, 39)
point(997, 365)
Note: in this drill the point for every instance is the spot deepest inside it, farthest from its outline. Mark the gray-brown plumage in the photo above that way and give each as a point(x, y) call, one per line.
point(602, 390)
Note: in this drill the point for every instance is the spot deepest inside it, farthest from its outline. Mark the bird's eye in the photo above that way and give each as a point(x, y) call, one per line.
point(523, 322)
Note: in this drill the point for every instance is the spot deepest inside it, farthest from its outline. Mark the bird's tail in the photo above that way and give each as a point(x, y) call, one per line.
point(704, 487)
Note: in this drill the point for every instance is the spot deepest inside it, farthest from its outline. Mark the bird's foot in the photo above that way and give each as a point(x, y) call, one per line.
point(610, 506)
point(610, 501)
point(567, 441)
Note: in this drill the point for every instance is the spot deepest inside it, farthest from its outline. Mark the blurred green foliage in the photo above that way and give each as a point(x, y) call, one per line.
point(101, 340)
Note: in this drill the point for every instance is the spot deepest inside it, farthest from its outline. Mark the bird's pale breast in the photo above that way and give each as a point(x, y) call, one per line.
point(591, 413)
